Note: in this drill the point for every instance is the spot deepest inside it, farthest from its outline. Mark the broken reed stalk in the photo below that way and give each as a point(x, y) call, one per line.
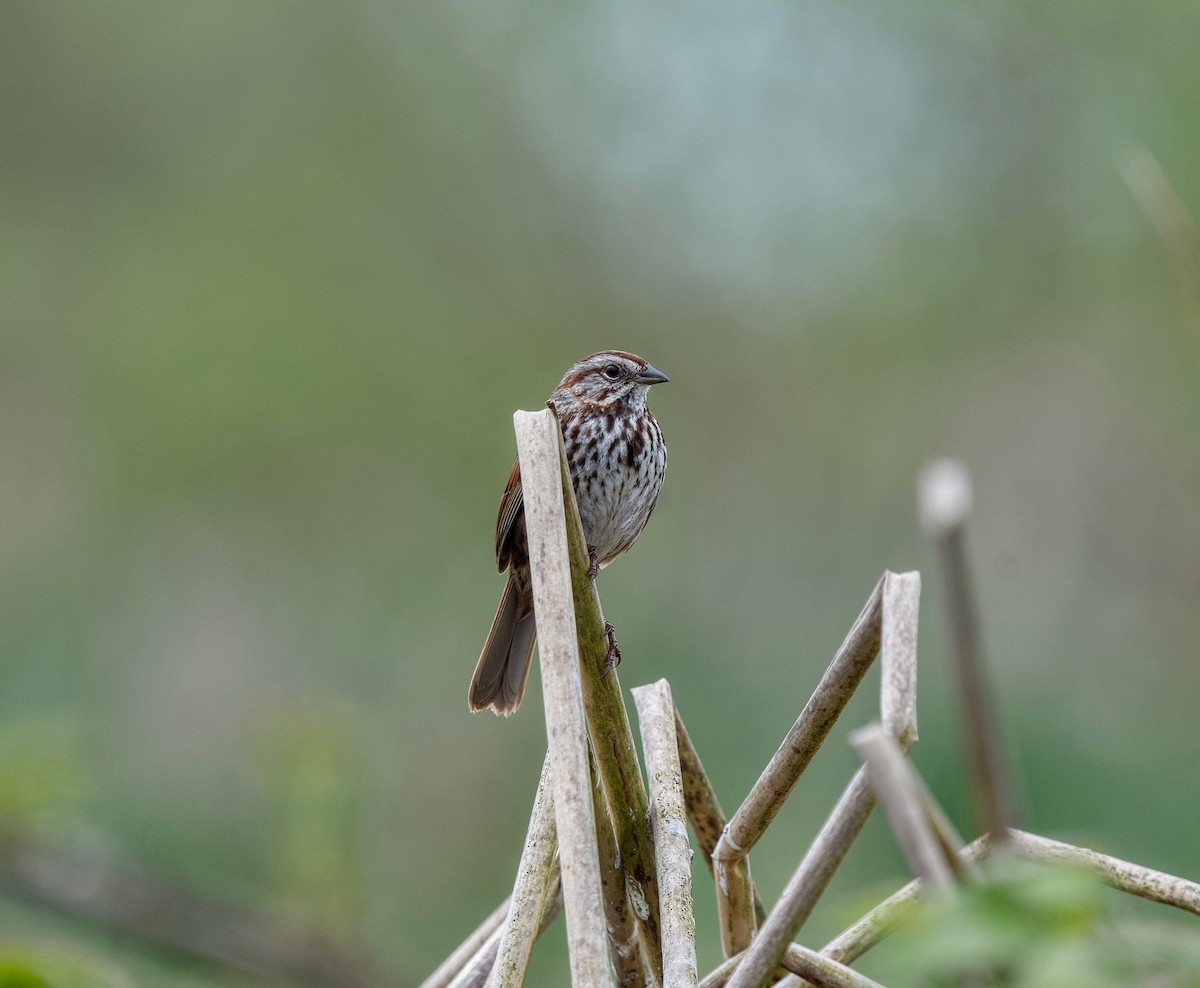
point(452, 965)
point(533, 885)
point(656, 720)
point(843, 825)
point(944, 495)
point(892, 780)
point(622, 925)
point(738, 917)
point(612, 738)
point(539, 446)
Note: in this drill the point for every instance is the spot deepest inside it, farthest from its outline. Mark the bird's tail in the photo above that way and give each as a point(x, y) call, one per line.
point(503, 667)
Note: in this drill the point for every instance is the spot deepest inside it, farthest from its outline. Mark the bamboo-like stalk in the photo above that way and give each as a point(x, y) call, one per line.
point(735, 904)
point(1135, 879)
point(944, 495)
point(739, 906)
point(846, 821)
point(622, 927)
point(612, 739)
point(892, 780)
point(656, 719)
point(452, 965)
point(530, 890)
point(816, 720)
point(898, 656)
point(699, 797)
point(539, 446)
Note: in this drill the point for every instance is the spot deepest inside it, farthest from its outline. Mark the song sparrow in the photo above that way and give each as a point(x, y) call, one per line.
point(617, 457)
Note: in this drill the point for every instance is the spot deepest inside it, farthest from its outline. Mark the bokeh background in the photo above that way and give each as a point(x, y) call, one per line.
point(275, 276)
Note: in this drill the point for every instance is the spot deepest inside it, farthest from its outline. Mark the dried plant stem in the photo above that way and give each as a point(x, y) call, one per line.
point(539, 446)
point(898, 656)
point(704, 811)
point(453, 964)
point(893, 780)
point(530, 891)
point(622, 928)
point(612, 739)
point(1147, 883)
point(656, 719)
point(809, 880)
point(944, 492)
point(829, 847)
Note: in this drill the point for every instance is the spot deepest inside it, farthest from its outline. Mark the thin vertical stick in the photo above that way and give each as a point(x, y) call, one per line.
point(612, 739)
point(898, 656)
point(739, 906)
point(945, 503)
point(532, 886)
point(622, 927)
point(538, 448)
point(656, 719)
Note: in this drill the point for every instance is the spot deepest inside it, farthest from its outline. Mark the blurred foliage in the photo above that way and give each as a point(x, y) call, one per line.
point(22, 967)
point(275, 276)
point(41, 769)
point(1036, 926)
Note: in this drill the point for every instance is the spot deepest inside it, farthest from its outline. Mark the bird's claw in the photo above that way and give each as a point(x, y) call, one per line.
point(593, 564)
point(613, 658)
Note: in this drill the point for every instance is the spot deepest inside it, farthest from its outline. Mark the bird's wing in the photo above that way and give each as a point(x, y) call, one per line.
point(512, 505)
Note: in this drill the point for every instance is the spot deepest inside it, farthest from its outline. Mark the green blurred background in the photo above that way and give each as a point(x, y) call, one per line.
point(275, 276)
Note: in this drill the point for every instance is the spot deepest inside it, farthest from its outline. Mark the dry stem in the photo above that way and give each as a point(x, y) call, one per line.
point(539, 446)
point(945, 502)
point(656, 718)
point(612, 738)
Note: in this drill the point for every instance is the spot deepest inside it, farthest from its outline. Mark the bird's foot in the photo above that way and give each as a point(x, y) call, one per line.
point(613, 658)
point(593, 564)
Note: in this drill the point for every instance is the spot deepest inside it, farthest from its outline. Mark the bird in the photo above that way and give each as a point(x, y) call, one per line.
point(617, 459)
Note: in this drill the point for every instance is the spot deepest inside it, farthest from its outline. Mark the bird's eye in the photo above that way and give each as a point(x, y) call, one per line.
point(612, 371)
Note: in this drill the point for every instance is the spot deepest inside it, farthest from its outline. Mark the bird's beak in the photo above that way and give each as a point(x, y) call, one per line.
point(651, 376)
